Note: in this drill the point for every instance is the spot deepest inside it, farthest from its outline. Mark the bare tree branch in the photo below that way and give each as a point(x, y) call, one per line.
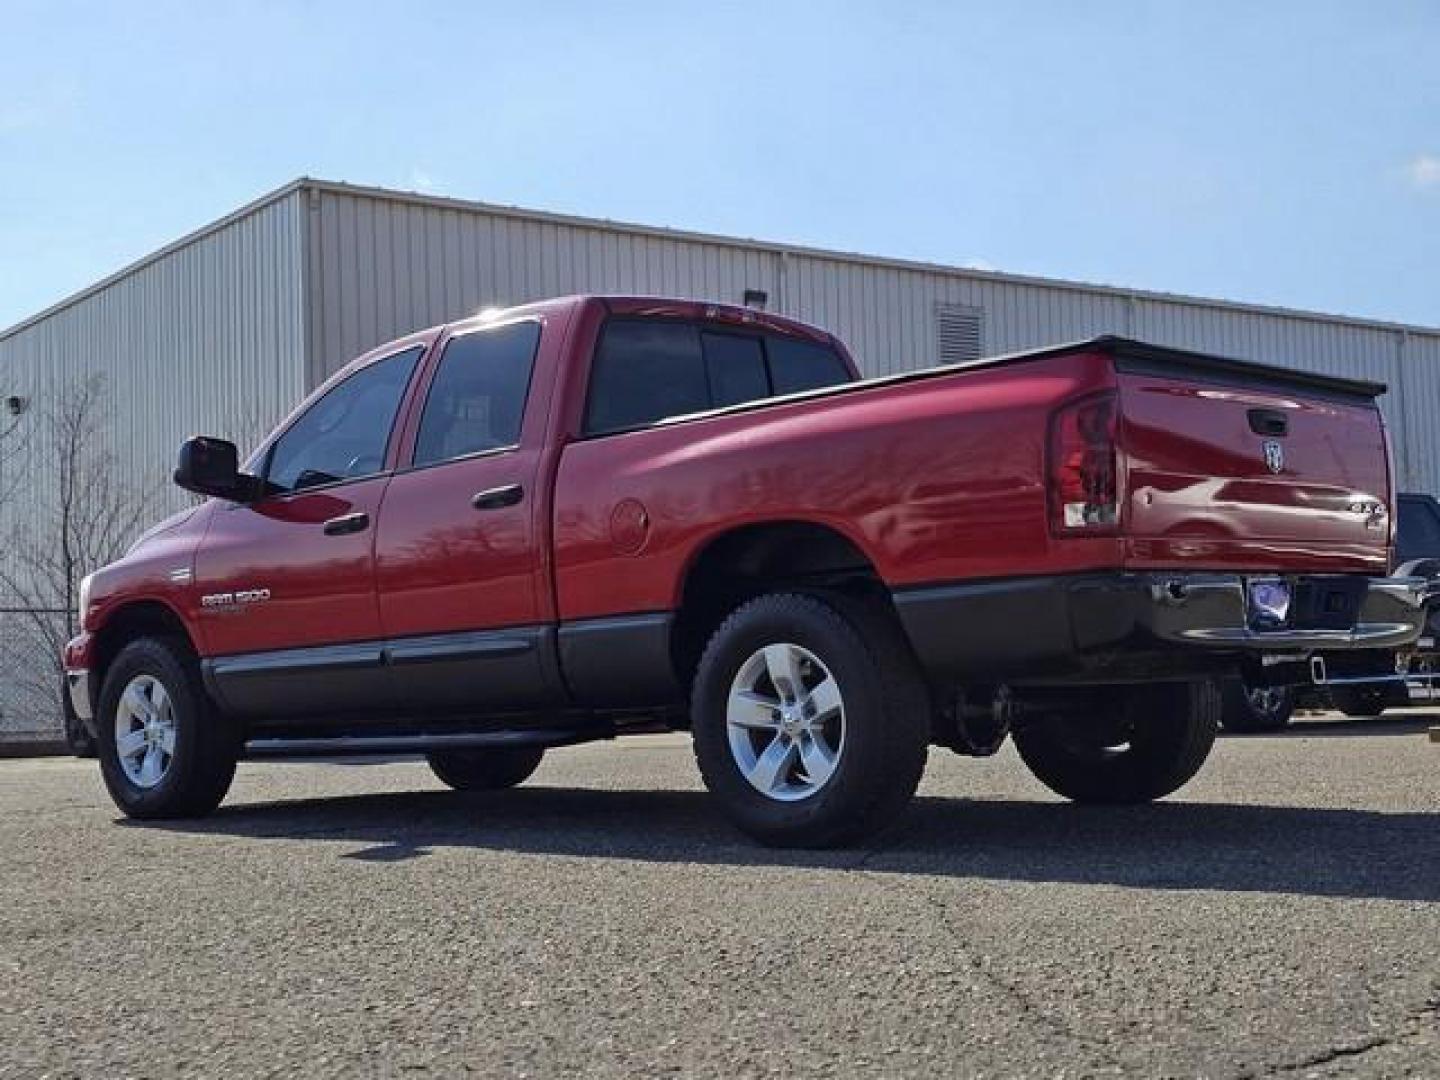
point(82, 511)
point(13, 432)
point(86, 515)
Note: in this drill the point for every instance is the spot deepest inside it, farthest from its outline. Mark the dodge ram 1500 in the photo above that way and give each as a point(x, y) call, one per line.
point(594, 516)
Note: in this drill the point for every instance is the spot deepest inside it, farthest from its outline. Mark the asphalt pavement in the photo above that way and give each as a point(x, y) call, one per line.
point(1279, 917)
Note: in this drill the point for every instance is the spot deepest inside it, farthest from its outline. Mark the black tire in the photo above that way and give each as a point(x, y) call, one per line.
point(1146, 744)
point(77, 738)
point(886, 711)
point(1360, 702)
point(206, 746)
point(1245, 710)
point(485, 770)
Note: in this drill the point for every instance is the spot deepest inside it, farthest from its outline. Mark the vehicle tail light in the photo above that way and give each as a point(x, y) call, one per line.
point(1392, 504)
point(1084, 495)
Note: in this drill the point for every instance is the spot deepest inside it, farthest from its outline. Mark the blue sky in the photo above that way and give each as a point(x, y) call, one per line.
point(1283, 153)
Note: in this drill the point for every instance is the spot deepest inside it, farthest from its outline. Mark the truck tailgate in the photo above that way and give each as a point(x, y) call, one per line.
point(1256, 473)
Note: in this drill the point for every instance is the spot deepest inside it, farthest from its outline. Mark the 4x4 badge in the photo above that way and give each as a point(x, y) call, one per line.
point(1274, 456)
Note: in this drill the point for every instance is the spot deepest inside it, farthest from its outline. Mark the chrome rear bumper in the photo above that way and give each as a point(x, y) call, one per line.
point(1211, 610)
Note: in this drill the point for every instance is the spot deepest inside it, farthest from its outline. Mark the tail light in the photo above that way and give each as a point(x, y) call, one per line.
point(1084, 485)
point(1392, 504)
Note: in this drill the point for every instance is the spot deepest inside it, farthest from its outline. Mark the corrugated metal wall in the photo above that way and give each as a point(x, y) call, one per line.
point(208, 336)
point(385, 264)
point(205, 336)
point(223, 331)
point(381, 267)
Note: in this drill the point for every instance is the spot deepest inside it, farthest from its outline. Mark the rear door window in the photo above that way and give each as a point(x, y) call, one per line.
point(476, 401)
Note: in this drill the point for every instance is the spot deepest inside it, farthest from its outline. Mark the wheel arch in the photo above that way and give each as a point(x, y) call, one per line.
point(130, 621)
point(747, 560)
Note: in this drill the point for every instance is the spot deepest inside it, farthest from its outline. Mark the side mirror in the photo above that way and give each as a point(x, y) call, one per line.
point(211, 466)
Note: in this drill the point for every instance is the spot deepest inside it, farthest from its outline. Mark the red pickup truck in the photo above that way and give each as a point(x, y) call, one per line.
point(595, 516)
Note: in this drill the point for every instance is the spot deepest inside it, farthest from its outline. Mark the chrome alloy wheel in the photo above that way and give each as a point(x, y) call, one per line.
point(1265, 700)
point(145, 731)
point(785, 720)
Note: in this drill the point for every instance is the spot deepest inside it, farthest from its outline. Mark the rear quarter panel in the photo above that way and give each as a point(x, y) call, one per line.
point(936, 479)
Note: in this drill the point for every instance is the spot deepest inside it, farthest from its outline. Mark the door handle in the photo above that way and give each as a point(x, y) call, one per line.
point(350, 523)
point(498, 498)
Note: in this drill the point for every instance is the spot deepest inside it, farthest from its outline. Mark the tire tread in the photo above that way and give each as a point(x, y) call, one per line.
point(891, 775)
point(1180, 744)
point(485, 770)
point(206, 768)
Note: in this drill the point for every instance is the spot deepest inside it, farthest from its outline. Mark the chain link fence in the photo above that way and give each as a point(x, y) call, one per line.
point(30, 676)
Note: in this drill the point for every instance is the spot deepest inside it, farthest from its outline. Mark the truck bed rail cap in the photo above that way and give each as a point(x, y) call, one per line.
point(1131, 348)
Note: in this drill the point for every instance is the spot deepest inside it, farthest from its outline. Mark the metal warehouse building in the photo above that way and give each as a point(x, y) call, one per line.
point(225, 329)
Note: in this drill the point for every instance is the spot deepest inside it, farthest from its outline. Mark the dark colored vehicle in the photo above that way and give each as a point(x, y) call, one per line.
point(1417, 554)
point(1260, 707)
point(597, 516)
point(1364, 682)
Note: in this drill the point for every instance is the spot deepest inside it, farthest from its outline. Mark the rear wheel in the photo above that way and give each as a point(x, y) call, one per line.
point(1143, 743)
point(811, 719)
point(486, 770)
point(1256, 708)
point(165, 751)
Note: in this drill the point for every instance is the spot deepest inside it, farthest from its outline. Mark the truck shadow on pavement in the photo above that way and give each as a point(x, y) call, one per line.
point(1168, 845)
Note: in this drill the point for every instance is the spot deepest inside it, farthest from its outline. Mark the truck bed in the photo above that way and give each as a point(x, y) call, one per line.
point(941, 475)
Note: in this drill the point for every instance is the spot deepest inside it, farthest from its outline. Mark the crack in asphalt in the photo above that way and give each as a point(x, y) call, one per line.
point(1025, 1005)
point(1410, 1029)
point(1410, 1026)
point(1334, 1053)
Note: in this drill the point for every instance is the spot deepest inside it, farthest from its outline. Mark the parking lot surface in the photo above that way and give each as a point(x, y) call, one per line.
point(1280, 917)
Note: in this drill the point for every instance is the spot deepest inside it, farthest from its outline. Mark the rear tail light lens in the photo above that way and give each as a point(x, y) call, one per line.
point(1084, 496)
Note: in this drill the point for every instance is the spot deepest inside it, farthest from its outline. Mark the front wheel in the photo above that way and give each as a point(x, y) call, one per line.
point(485, 770)
point(165, 751)
point(811, 720)
point(1142, 743)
